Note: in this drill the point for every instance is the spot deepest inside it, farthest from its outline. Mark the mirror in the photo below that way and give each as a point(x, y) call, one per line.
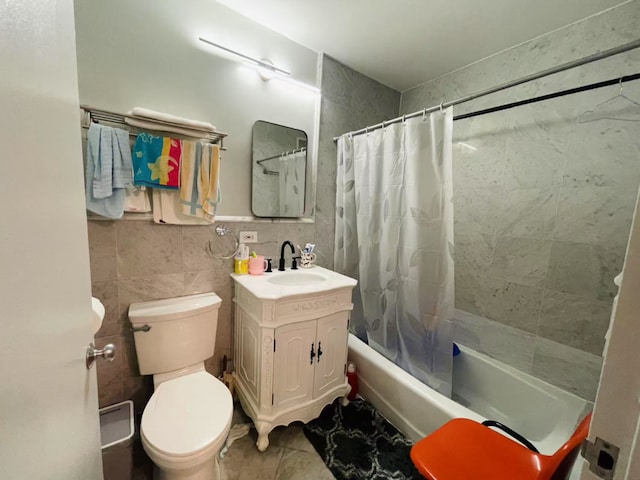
point(279, 166)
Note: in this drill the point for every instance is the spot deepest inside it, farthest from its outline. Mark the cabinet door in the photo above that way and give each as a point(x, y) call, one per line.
point(293, 365)
point(247, 352)
point(331, 353)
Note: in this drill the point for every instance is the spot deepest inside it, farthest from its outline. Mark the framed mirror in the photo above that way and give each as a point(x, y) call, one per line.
point(279, 169)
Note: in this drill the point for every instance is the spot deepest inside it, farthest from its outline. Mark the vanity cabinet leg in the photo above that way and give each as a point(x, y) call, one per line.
point(263, 428)
point(344, 401)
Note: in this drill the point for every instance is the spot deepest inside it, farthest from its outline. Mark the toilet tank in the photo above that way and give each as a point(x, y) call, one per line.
point(181, 333)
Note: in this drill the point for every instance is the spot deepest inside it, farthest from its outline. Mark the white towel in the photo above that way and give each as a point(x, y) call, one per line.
point(137, 199)
point(167, 209)
point(151, 125)
point(147, 114)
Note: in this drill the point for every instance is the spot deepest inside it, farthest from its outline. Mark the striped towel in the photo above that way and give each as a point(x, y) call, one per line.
point(156, 161)
point(199, 180)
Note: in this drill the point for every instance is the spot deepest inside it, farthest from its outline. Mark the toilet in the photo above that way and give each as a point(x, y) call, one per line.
point(188, 417)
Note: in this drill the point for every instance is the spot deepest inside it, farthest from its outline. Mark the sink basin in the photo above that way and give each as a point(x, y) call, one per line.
point(275, 285)
point(97, 314)
point(294, 279)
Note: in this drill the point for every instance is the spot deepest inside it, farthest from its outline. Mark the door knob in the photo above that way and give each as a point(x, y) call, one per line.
point(108, 353)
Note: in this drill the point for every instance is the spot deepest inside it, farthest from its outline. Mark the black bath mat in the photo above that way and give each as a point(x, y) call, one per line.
point(357, 443)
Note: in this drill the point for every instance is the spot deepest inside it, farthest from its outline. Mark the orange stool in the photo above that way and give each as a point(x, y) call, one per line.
point(466, 450)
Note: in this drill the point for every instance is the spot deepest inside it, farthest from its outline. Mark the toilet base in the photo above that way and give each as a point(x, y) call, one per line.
point(210, 470)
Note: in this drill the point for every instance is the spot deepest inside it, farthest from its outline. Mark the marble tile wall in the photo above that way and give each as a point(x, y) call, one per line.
point(350, 101)
point(543, 203)
point(133, 261)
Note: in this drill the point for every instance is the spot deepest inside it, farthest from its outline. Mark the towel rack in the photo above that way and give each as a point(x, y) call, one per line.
point(98, 115)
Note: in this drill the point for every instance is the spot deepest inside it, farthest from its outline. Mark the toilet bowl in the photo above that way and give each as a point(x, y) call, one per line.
point(187, 419)
point(185, 424)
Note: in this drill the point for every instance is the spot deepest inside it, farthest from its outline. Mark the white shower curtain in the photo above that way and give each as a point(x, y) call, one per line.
point(291, 184)
point(394, 232)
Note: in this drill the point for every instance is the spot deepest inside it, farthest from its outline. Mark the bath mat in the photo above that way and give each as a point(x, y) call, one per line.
point(357, 443)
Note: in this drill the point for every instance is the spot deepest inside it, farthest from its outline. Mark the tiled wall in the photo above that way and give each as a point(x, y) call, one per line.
point(350, 101)
point(133, 261)
point(543, 204)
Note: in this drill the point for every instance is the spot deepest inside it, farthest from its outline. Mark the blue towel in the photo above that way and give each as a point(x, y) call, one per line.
point(108, 170)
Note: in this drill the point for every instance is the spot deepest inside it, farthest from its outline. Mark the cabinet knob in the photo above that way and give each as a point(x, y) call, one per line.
point(319, 351)
point(312, 354)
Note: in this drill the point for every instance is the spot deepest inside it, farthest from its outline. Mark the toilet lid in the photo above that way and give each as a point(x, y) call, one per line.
point(187, 414)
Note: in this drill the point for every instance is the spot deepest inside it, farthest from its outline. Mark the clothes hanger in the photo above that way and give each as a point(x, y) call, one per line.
point(593, 114)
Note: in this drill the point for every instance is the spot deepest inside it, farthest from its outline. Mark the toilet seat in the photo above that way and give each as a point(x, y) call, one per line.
point(187, 415)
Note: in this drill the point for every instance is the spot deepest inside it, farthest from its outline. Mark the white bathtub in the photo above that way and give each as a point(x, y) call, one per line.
point(488, 389)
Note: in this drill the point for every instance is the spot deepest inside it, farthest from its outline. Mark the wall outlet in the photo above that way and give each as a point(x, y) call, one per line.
point(248, 237)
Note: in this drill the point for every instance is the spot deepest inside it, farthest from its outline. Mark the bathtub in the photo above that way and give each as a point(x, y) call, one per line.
point(483, 389)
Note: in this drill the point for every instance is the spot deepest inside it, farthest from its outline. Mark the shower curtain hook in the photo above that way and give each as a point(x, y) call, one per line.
point(404, 119)
point(424, 114)
point(441, 110)
point(366, 131)
point(620, 83)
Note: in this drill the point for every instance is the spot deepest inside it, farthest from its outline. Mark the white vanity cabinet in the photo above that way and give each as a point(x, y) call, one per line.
point(290, 351)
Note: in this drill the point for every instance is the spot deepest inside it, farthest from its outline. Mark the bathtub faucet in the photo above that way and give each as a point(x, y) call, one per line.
point(294, 265)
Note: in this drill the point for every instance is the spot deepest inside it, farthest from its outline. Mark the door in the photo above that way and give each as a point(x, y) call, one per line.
point(616, 416)
point(331, 353)
point(49, 425)
point(294, 360)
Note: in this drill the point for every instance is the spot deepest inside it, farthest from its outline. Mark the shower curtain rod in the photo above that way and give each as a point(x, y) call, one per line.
point(545, 73)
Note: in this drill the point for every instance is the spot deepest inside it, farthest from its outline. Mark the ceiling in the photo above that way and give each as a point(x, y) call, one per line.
point(403, 43)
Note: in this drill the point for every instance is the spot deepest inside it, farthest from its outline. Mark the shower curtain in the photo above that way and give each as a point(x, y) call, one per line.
point(291, 184)
point(394, 233)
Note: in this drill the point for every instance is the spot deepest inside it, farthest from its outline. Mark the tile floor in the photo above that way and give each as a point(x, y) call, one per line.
point(290, 456)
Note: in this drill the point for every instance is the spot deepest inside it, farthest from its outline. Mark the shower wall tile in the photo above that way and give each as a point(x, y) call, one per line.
point(145, 248)
point(337, 81)
point(479, 162)
point(377, 101)
point(574, 321)
point(503, 302)
point(349, 101)
point(600, 153)
point(509, 345)
point(521, 260)
point(473, 251)
point(585, 270)
point(546, 200)
point(527, 212)
point(592, 214)
point(477, 210)
point(566, 367)
point(102, 250)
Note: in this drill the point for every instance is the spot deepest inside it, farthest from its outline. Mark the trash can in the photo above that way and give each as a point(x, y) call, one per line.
point(116, 434)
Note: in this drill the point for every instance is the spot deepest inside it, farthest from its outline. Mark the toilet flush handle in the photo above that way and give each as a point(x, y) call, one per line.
point(108, 353)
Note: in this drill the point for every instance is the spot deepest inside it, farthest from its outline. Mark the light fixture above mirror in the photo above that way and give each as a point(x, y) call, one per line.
point(265, 67)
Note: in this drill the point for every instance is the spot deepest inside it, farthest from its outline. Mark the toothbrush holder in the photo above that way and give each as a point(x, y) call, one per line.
point(307, 259)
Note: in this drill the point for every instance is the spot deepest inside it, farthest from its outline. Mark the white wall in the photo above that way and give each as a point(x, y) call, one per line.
point(147, 53)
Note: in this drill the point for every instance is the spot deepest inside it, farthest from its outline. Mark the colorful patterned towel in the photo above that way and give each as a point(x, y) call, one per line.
point(156, 161)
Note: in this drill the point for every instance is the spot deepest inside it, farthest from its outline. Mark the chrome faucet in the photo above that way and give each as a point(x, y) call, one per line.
point(294, 265)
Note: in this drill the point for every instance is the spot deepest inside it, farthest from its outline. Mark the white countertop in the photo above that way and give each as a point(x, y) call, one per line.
point(262, 286)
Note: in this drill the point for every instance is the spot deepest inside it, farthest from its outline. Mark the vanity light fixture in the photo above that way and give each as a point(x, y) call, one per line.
point(252, 61)
point(266, 70)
